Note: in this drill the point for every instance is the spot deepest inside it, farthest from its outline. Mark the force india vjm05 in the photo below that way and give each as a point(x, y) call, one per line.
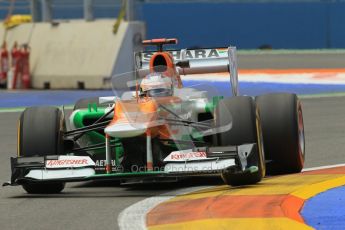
point(154, 128)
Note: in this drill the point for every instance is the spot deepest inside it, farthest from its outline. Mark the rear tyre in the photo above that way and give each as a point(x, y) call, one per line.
point(40, 134)
point(246, 128)
point(283, 131)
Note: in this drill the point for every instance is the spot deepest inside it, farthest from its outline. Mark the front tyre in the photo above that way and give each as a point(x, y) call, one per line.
point(40, 133)
point(44, 188)
point(246, 129)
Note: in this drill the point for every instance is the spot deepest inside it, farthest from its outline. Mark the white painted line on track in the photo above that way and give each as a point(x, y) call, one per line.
point(323, 167)
point(315, 78)
point(12, 110)
point(21, 109)
point(321, 95)
point(134, 217)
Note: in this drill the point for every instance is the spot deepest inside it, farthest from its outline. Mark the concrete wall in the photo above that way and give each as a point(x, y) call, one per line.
point(132, 43)
point(77, 51)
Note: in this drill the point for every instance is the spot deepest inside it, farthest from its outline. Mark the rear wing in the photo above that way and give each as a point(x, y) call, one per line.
point(200, 61)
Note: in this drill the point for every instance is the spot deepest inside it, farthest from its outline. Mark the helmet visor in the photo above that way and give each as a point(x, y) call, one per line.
point(160, 92)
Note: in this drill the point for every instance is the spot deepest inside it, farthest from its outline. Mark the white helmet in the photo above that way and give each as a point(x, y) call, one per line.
point(156, 85)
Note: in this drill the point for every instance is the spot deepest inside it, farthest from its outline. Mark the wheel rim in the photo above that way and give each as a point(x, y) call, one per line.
point(18, 138)
point(260, 143)
point(301, 138)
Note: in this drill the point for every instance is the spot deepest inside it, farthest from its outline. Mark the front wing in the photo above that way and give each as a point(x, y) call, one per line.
point(67, 168)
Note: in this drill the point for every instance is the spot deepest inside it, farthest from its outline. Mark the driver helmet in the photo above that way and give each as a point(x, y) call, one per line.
point(156, 85)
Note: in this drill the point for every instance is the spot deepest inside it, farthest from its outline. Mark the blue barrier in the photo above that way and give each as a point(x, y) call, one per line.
point(301, 25)
point(337, 25)
point(249, 25)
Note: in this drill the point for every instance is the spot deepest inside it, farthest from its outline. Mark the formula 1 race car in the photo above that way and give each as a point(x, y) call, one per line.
point(154, 128)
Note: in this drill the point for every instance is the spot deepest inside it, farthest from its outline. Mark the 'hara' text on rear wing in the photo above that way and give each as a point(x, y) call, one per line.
point(200, 61)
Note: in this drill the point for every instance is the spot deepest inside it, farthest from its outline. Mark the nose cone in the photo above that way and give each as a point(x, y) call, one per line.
point(132, 118)
point(123, 130)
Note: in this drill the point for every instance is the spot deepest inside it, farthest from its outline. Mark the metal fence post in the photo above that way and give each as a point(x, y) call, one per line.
point(88, 10)
point(46, 10)
point(35, 9)
point(130, 10)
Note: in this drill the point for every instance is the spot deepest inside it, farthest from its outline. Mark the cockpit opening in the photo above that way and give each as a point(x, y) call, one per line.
point(160, 64)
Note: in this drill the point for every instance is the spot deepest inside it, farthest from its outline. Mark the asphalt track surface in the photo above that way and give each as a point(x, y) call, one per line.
point(97, 205)
point(291, 59)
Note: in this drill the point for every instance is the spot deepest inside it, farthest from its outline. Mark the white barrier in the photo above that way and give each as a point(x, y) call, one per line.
point(69, 52)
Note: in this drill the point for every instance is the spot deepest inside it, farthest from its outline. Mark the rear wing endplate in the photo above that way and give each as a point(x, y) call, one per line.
point(201, 61)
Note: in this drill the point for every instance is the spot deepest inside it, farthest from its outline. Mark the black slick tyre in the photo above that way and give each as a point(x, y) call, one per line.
point(40, 133)
point(283, 131)
point(246, 129)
